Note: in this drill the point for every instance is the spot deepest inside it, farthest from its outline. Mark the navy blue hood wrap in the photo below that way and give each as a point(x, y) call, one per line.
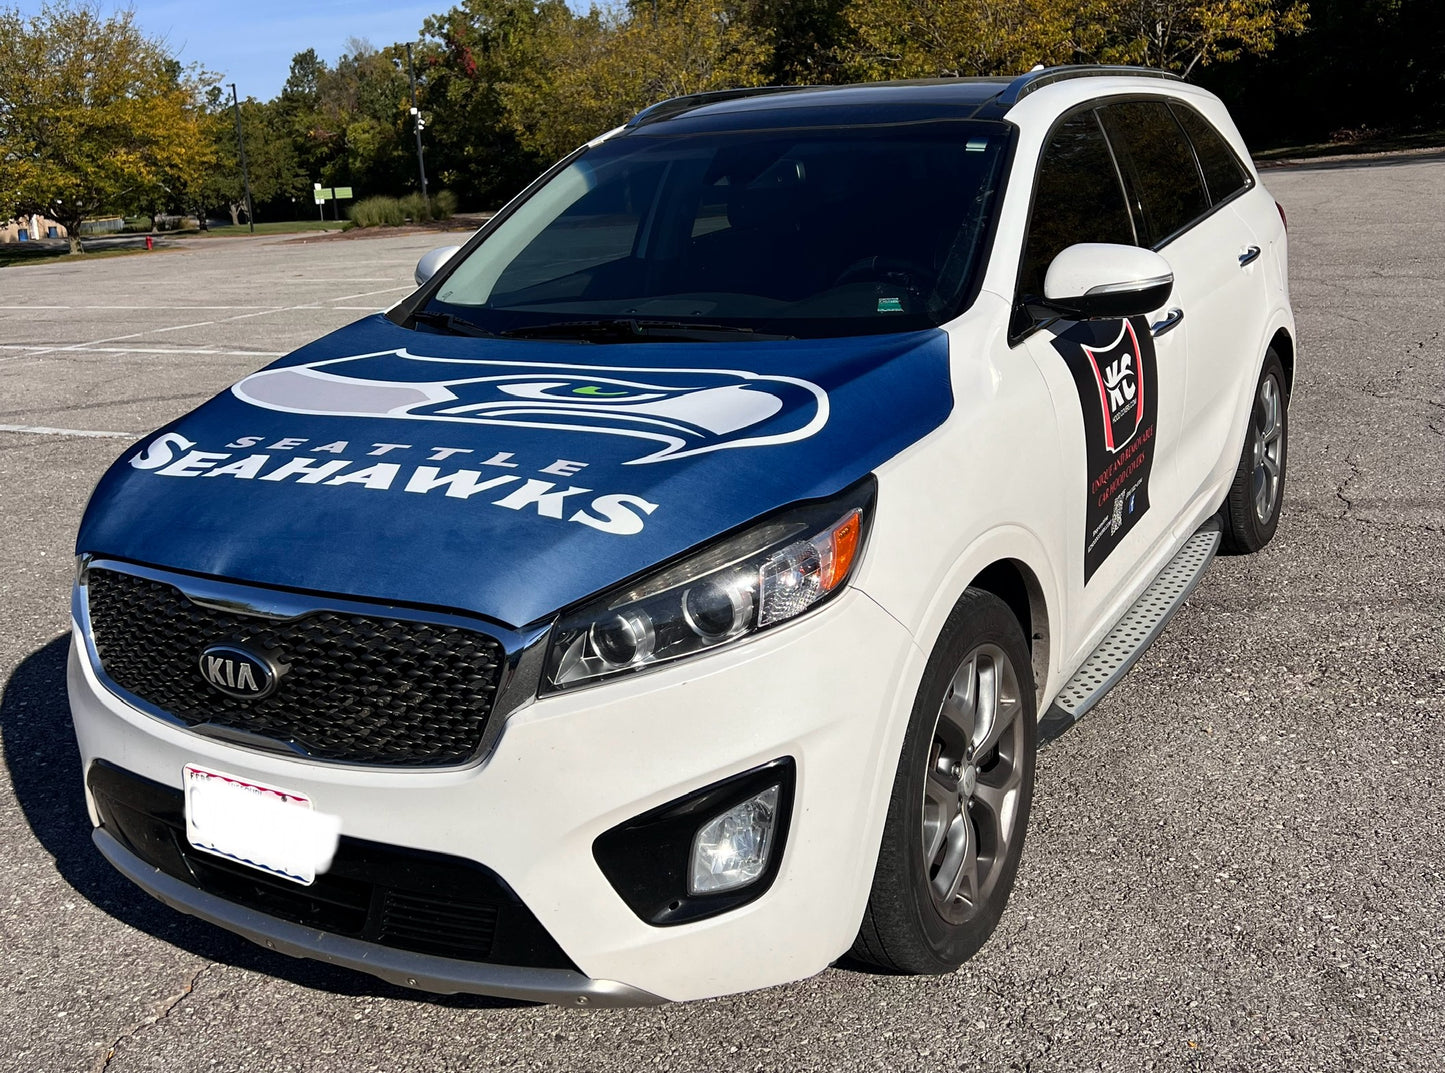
point(505, 478)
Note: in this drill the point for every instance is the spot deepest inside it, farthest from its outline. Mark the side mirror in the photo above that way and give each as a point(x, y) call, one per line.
point(430, 262)
point(1104, 281)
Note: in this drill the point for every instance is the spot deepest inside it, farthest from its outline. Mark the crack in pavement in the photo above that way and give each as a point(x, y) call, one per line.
point(163, 1011)
point(1345, 484)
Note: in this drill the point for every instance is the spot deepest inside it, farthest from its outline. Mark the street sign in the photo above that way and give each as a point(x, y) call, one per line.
point(343, 191)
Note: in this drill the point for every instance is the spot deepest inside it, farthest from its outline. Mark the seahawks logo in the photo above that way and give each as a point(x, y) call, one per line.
point(687, 411)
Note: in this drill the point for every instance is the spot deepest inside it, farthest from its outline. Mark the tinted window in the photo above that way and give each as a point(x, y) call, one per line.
point(1224, 175)
point(1163, 181)
point(806, 232)
point(1077, 199)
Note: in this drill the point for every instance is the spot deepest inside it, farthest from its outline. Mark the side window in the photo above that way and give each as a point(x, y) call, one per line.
point(1077, 199)
point(1224, 175)
point(1163, 181)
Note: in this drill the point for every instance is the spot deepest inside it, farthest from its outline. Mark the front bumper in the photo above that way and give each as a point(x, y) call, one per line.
point(402, 967)
point(831, 690)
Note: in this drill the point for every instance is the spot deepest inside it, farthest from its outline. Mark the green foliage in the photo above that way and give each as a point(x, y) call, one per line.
point(929, 38)
point(94, 116)
point(393, 212)
point(606, 66)
point(271, 157)
point(416, 208)
point(378, 212)
point(1180, 35)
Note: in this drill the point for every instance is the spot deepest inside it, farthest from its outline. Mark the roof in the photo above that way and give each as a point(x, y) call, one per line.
point(952, 98)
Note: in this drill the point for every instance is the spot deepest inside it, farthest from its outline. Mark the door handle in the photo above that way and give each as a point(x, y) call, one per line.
point(1249, 256)
point(1171, 320)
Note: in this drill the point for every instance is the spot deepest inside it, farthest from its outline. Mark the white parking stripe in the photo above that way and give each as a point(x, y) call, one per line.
point(46, 431)
point(179, 350)
point(384, 290)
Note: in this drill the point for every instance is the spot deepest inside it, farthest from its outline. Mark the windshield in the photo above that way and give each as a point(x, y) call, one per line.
point(813, 232)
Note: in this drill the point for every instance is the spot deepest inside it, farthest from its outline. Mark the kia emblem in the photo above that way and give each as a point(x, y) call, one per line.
point(238, 672)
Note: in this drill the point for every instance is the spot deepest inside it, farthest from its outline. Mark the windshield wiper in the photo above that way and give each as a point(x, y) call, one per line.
point(636, 330)
point(452, 323)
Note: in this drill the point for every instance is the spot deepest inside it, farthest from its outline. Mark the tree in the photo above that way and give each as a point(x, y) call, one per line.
point(1180, 35)
point(952, 38)
point(468, 55)
point(606, 66)
point(271, 159)
point(93, 114)
point(922, 38)
point(806, 38)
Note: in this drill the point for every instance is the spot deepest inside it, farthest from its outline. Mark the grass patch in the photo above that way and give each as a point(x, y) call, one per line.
point(281, 227)
point(1364, 142)
point(9, 259)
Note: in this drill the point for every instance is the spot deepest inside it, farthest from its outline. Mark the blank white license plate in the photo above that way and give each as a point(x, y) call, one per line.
point(264, 827)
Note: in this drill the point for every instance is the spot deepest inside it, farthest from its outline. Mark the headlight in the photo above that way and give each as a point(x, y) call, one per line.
point(771, 572)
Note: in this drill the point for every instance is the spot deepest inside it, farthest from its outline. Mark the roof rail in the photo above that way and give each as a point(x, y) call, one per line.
point(1025, 84)
point(677, 105)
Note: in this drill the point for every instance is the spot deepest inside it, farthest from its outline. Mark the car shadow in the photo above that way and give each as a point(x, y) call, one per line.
point(43, 761)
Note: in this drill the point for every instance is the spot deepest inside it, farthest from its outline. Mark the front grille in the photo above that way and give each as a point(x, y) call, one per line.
point(361, 689)
point(428, 903)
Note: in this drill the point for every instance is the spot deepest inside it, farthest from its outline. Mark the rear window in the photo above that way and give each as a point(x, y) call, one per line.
point(1160, 175)
point(1224, 175)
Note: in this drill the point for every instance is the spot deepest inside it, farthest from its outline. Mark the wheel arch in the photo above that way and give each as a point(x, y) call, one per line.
point(1013, 582)
point(1282, 343)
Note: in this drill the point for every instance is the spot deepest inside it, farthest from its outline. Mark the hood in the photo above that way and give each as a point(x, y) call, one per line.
point(507, 478)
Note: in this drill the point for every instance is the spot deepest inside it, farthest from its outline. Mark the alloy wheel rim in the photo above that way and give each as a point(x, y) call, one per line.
point(1268, 448)
point(973, 783)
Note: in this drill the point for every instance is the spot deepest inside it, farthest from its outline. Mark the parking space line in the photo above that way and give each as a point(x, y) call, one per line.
point(181, 327)
point(44, 430)
point(384, 290)
point(178, 350)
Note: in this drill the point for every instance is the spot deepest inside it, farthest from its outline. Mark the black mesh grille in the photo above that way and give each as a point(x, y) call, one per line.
point(355, 688)
point(429, 903)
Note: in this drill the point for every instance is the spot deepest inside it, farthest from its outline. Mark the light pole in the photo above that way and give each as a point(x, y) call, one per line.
point(245, 175)
point(419, 124)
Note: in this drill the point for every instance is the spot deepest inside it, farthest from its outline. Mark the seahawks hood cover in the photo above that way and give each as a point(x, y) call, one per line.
point(505, 478)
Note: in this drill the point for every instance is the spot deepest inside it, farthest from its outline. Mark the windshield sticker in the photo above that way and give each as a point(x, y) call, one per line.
point(688, 411)
point(1119, 396)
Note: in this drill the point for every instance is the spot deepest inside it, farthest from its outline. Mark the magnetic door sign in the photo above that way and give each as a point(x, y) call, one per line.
point(1112, 363)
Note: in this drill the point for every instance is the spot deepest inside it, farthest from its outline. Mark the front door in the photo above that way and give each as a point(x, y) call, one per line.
point(1117, 388)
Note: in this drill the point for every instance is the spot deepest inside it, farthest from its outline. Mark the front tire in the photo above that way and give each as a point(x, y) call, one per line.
point(961, 798)
point(1251, 513)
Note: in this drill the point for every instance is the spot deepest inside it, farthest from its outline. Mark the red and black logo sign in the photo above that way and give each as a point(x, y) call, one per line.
point(1114, 370)
point(1119, 376)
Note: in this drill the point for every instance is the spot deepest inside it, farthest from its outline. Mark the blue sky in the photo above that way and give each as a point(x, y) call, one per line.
point(251, 42)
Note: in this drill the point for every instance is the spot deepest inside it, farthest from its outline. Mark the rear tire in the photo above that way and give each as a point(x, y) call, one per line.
point(1251, 512)
point(961, 797)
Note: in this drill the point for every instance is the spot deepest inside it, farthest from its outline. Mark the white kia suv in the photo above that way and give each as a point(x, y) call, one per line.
point(670, 596)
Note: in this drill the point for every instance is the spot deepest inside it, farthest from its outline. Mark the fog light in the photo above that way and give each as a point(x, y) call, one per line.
point(732, 850)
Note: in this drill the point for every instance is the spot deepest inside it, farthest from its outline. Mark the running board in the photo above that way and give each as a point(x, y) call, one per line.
point(1133, 633)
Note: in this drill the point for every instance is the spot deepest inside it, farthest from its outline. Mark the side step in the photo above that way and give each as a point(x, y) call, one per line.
point(1133, 633)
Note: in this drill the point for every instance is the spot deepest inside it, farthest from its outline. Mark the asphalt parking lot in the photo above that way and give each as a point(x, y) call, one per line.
point(1235, 861)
